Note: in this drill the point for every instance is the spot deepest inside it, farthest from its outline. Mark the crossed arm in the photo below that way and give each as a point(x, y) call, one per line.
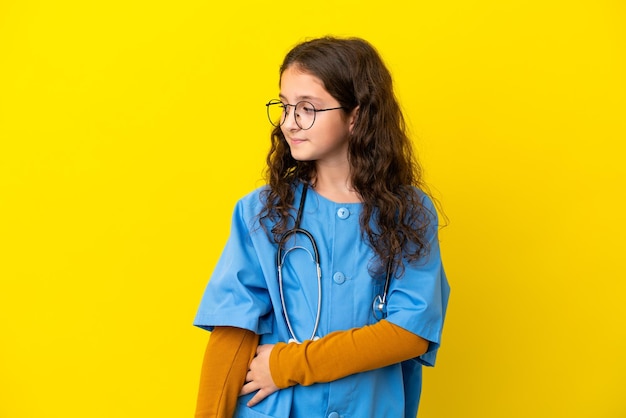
point(234, 363)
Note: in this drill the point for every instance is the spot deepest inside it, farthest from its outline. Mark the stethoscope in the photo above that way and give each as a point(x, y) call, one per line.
point(378, 305)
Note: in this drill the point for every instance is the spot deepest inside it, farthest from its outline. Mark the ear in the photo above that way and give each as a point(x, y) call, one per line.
point(354, 116)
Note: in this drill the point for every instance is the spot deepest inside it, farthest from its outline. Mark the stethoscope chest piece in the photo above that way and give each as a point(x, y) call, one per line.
point(379, 307)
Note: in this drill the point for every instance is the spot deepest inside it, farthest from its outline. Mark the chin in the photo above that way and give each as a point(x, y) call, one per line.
point(301, 157)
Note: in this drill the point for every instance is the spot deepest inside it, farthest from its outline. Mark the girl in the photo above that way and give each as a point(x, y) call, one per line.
point(330, 294)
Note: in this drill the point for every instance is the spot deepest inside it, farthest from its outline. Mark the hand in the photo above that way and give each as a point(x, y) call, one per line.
point(259, 377)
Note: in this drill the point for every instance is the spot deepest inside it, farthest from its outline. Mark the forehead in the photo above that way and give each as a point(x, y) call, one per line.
point(296, 84)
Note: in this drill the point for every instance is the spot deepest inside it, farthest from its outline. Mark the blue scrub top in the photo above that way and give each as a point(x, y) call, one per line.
point(243, 292)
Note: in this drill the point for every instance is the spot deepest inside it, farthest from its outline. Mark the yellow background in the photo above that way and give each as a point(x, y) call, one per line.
point(128, 129)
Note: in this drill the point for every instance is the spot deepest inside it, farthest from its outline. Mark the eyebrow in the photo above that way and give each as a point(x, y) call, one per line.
point(299, 98)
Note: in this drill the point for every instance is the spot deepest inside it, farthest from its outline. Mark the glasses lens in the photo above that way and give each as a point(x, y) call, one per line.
point(305, 115)
point(276, 112)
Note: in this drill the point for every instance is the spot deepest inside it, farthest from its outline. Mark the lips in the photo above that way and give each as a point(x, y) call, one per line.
point(296, 141)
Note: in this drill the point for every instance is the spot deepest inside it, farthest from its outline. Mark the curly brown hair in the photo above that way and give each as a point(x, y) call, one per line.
point(384, 171)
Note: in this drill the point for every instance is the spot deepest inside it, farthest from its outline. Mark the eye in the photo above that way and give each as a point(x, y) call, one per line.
point(308, 108)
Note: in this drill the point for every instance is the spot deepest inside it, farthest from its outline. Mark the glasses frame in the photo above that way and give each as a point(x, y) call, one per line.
point(285, 112)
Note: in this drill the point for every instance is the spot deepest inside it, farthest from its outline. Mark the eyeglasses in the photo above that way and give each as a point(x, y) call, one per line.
point(304, 113)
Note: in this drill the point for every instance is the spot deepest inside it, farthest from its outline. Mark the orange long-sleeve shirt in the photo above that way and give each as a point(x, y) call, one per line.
point(337, 355)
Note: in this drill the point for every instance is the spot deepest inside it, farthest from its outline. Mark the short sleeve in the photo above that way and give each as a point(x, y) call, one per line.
point(237, 294)
point(418, 300)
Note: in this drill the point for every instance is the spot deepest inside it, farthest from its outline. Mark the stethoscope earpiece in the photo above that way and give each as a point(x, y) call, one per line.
point(293, 340)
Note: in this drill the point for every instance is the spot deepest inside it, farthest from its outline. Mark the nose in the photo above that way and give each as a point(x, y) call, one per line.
point(290, 120)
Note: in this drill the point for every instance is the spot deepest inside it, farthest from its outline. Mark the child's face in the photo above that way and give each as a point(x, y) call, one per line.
point(327, 140)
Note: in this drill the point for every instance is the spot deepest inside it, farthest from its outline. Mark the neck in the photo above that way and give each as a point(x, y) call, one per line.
point(334, 184)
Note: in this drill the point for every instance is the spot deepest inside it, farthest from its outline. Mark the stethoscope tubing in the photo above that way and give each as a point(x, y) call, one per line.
point(315, 258)
point(378, 305)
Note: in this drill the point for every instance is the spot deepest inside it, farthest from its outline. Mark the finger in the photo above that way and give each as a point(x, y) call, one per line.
point(260, 395)
point(248, 388)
